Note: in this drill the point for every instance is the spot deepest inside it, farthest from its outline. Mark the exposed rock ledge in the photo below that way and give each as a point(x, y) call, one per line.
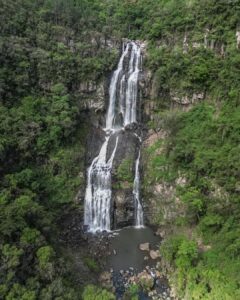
point(187, 99)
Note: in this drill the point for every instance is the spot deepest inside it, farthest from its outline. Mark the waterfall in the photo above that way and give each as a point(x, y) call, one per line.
point(122, 110)
point(98, 191)
point(132, 86)
point(111, 114)
point(123, 90)
point(136, 193)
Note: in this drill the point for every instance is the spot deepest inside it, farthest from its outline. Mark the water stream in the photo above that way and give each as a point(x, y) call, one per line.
point(136, 192)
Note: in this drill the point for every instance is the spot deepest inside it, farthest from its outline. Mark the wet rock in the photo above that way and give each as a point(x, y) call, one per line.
point(146, 258)
point(94, 142)
point(146, 281)
point(123, 200)
point(144, 247)
point(105, 279)
point(158, 274)
point(105, 276)
point(120, 198)
point(160, 232)
point(154, 254)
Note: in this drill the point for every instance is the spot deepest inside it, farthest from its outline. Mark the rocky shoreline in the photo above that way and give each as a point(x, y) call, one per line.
point(151, 284)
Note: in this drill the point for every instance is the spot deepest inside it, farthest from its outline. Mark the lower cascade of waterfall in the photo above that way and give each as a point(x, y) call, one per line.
point(98, 191)
point(136, 193)
point(122, 111)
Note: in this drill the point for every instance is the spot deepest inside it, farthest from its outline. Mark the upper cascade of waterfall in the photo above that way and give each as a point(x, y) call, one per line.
point(122, 110)
point(123, 90)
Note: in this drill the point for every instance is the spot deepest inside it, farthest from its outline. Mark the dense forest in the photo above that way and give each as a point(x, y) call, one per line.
point(47, 49)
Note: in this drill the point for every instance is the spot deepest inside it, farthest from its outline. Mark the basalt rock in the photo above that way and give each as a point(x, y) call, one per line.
point(94, 143)
point(123, 210)
point(122, 196)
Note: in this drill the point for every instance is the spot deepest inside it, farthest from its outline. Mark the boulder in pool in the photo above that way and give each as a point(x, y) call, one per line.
point(154, 254)
point(144, 247)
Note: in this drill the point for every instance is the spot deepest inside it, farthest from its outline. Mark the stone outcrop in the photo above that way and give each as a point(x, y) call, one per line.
point(154, 254)
point(144, 247)
point(122, 178)
point(163, 205)
point(187, 99)
point(93, 95)
point(238, 39)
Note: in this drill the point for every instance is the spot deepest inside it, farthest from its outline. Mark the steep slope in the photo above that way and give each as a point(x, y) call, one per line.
point(192, 148)
point(54, 69)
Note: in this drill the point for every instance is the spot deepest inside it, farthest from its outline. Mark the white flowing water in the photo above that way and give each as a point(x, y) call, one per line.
point(136, 193)
point(122, 110)
point(130, 115)
point(111, 113)
point(98, 192)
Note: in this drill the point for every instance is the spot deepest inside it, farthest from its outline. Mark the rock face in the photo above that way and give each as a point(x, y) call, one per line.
point(94, 142)
point(93, 94)
point(187, 99)
point(238, 39)
point(122, 179)
point(163, 205)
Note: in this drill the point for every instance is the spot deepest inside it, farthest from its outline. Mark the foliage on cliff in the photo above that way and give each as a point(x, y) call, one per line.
point(205, 147)
point(193, 51)
point(47, 49)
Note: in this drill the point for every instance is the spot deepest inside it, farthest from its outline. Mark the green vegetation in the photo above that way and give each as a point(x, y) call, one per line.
point(208, 157)
point(92, 292)
point(158, 165)
point(202, 145)
point(131, 292)
point(48, 49)
point(125, 172)
point(92, 264)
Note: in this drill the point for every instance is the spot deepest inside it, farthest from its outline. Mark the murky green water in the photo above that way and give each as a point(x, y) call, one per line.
point(126, 244)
